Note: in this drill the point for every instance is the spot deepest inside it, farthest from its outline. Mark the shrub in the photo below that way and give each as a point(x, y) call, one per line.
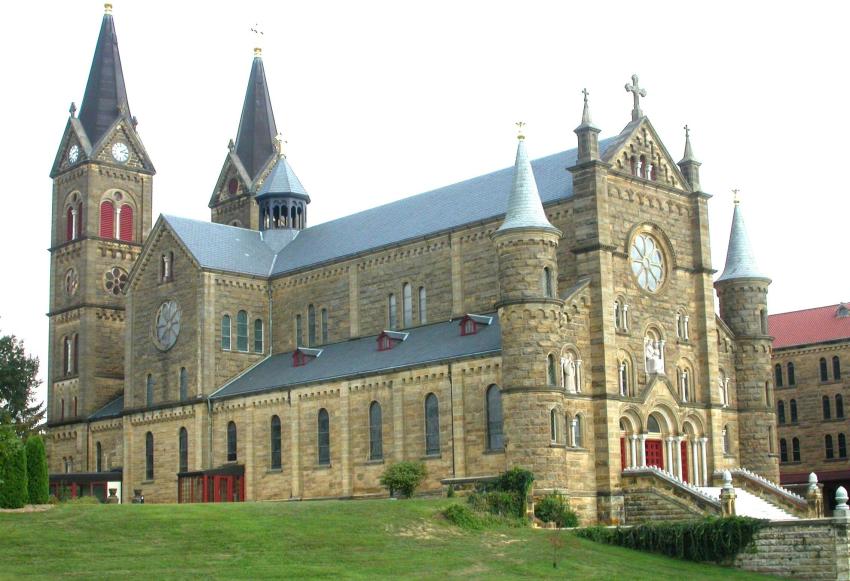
point(554, 508)
point(464, 517)
point(13, 470)
point(52, 499)
point(38, 485)
point(84, 500)
point(712, 539)
point(498, 502)
point(517, 480)
point(404, 477)
point(450, 493)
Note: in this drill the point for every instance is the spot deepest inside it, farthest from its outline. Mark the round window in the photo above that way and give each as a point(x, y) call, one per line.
point(647, 262)
point(167, 324)
point(72, 282)
point(115, 280)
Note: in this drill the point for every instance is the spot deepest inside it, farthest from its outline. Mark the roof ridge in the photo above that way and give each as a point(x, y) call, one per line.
point(834, 306)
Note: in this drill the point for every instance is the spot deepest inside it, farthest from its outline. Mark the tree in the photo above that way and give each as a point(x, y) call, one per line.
point(13, 469)
point(38, 484)
point(18, 383)
point(404, 477)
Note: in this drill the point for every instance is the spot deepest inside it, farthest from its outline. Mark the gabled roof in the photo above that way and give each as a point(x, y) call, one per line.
point(740, 259)
point(111, 410)
point(808, 326)
point(257, 128)
point(105, 94)
point(429, 343)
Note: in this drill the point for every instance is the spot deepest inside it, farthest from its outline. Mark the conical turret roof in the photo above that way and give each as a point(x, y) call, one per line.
point(740, 260)
point(525, 209)
point(283, 181)
point(257, 128)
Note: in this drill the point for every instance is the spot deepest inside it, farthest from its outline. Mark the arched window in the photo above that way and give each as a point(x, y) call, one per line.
point(634, 165)
point(793, 411)
point(242, 331)
point(407, 304)
point(792, 380)
point(311, 326)
point(231, 442)
point(149, 456)
point(75, 354)
point(836, 368)
point(777, 371)
point(839, 406)
point(826, 413)
point(67, 355)
point(842, 446)
point(548, 286)
point(107, 220)
point(783, 450)
point(828, 445)
point(577, 432)
point(75, 407)
point(642, 166)
point(324, 434)
point(423, 306)
point(258, 335)
point(225, 332)
point(495, 438)
point(652, 425)
point(184, 384)
point(625, 378)
point(274, 443)
point(125, 223)
point(149, 390)
point(795, 449)
point(98, 454)
point(299, 335)
point(376, 436)
point(62, 409)
point(553, 425)
point(551, 377)
point(727, 440)
point(824, 375)
point(183, 450)
point(618, 315)
point(392, 312)
point(324, 326)
point(780, 411)
point(685, 384)
point(432, 425)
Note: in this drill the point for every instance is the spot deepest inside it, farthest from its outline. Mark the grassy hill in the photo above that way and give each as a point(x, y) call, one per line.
point(331, 539)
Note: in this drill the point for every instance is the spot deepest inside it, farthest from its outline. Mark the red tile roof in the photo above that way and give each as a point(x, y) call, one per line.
point(808, 326)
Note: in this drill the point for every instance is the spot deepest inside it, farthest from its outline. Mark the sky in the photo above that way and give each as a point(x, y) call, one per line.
point(382, 100)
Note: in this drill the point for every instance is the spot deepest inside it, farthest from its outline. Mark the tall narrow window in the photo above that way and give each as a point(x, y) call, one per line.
point(551, 377)
point(839, 406)
point(225, 332)
point(75, 407)
point(407, 304)
point(149, 390)
point(780, 411)
point(392, 312)
point(793, 405)
point(423, 306)
point(107, 220)
point(763, 314)
point(548, 287)
point(577, 432)
point(495, 438)
point(70, 224)
point(62, 409)
point(75, 354)
point(242, 331)
point(98, 463)
point(842, 446)
point(827, 441)
point(432, 425)
point(274, 443)
point(231, 442)
point(553, 425)
point(324, 437)
point(299, 333)
point(792, 380)
point(149, 456)
point(125, 223)
point(624, 378)
point(836, 368)
point(618, 315)
point(311, 326)
point(258, 336)
point(777, 372)
point(184, 384)
point(824, 374)
point(67, 355)
point(795, 449)
point(783, 450)
point(727, 444)
point(376, 445)
point(826, 413)
point(325, 338)
point(183, 450)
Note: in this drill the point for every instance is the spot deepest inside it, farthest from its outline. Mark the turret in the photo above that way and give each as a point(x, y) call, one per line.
point(588, 135)
point(689, 165)
point(282, 199)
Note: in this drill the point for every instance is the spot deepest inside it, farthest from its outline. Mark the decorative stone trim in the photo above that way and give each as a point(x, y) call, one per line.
point(680, 484)
point(762, 481)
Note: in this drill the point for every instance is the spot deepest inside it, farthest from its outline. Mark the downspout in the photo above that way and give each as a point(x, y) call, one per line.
point(210, 432)
point(452, 418)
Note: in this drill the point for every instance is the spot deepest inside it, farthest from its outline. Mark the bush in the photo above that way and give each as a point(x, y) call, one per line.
point(554, 508)
point(712, 539)
point(38, 484)
point(84, 500)
point(516, 480)
point(52, 499)
point(404, 477)
point(13, 470)
point(466, 517)
point(498, 502)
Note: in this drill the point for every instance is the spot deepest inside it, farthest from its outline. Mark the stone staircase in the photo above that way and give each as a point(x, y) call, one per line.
point(748, 504)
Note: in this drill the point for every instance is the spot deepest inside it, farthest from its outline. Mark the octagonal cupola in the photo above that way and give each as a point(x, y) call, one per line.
point(282, 199)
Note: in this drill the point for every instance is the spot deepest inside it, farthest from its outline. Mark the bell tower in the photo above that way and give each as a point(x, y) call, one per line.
point(102, 179)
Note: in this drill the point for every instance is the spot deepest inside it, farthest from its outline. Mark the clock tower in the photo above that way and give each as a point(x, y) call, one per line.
point(102, 179)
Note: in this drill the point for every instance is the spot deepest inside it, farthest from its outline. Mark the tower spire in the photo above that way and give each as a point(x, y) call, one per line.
point(255, 139)
point(525, 209)
point(105, 98)
point(689, 164)
point(740, 259)
point(588, 135)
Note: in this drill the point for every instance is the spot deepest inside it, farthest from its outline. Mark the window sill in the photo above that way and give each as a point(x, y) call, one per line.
point(623, 332)
point(835, 459)
point(833, 420)
point(322, 466)
point(557, 445)
point(374, 462)
point(148, 481)
point(683, 342)
point(790, 462)
point(497, 451)
point(274, 471)
point(577, 449)
point(729, 456)
point(432, 457)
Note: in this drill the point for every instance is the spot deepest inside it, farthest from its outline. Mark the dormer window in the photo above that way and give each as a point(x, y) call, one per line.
point(469, 324)
point(842, 312)
point(303, 355)
point(389, 339)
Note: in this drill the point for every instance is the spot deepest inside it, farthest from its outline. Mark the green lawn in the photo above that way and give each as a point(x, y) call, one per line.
point(329, 539)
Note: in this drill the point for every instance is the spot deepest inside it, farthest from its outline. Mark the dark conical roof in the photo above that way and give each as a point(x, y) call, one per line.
point(282, 180)
point(105, 91)
point(257, 129)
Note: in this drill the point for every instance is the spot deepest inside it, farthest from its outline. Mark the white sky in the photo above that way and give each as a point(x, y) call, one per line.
point(382, 100)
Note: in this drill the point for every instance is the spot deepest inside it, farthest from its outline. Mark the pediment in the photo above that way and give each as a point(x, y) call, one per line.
point(162, 235)
point(659, 387)
point(231, 169)
point(122, 130)
point(639, 150)
point(74, 135)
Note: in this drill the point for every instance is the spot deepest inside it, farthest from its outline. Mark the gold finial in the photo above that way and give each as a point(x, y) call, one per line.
point(279, 143)
point(520, 130)
point(735, 199)
point(258, 35)
point(107, 8)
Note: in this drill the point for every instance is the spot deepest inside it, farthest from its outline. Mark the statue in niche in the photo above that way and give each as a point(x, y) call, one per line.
point(654, 354)
point(570, 369)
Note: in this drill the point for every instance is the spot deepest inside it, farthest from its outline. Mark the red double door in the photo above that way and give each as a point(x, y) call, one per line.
point(655, 453)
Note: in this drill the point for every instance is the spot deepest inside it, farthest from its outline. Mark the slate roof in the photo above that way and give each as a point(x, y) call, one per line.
point(428, 343)
point(105, 90)
point(257, 128)
point(740, 260)
point(808, 326)
point(282, 180)
point(525, 210)
point(111, 410)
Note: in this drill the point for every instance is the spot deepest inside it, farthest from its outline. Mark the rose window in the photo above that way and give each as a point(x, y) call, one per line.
point(72, 282)
point(167, 324)
point(115, 280)
point(647, 262)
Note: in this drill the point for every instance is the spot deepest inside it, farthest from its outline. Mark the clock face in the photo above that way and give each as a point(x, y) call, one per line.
point(167, 325)
point(73, 154)
point(120, 152)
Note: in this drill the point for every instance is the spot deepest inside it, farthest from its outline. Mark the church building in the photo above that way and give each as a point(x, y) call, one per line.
point(557, 315)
